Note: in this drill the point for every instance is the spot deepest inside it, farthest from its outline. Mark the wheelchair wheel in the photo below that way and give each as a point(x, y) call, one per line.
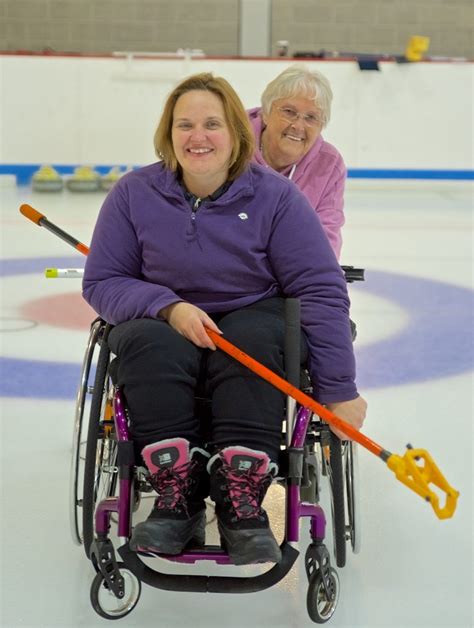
point(80, 436)
point(320, 603)
point(334, 468)
point(100, 470)
point(351, 472)
point(106, 604)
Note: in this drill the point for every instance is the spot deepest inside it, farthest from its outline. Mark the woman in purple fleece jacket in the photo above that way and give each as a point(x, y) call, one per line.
point(296, 106)
point(204, 239)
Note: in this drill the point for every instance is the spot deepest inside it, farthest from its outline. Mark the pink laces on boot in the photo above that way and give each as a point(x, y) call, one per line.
point(172, 485)
point(246, 488)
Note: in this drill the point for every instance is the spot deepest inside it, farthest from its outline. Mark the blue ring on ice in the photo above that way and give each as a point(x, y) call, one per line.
point(436, 342)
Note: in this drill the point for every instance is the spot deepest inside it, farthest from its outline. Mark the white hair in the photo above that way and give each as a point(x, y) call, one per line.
point(298, 81)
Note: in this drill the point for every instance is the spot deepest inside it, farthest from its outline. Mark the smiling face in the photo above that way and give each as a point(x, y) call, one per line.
point(201, 141)
point(285, 142)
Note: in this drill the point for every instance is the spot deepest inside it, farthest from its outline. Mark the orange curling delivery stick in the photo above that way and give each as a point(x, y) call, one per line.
point(407, 469)
point(416, 468)
point(40, 219)
point(290, 390)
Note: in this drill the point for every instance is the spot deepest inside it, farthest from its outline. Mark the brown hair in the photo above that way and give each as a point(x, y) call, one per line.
point(236, 117)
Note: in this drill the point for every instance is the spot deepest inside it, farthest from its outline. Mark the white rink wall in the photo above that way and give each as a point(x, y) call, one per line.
point(93, 110)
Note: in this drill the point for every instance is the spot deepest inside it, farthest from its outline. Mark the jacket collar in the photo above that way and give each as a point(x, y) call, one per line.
point(167, 182)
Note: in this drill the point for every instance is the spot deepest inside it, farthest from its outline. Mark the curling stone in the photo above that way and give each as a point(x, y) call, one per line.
point(84, 179)
point(107, 181)
point(47, 179)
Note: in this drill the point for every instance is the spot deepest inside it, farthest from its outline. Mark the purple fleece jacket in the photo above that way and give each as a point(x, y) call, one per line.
point(259, 239)
point(320, 175)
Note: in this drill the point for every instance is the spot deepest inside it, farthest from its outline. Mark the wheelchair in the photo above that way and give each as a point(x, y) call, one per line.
point(107, 485)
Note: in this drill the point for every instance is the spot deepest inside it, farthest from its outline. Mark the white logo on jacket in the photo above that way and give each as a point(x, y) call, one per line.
point(243, 216)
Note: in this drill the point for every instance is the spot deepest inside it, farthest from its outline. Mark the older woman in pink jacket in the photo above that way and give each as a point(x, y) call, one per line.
point(296, 106)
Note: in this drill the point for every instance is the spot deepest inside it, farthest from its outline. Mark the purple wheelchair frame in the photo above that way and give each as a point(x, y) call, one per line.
point(122, 506)
point(317, 555)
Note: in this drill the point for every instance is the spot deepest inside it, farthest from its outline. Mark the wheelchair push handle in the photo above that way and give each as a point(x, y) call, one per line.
point(353, 274)
point(418, 477)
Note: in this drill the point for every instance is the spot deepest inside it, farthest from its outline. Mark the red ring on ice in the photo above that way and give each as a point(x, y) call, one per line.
point(67, 310)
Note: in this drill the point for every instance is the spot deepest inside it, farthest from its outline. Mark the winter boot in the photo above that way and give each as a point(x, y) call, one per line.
point(240, 478)
point(179, 515)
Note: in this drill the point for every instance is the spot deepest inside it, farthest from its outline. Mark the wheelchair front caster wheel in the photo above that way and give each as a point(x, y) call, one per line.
point(321, 601)
point(104, 601)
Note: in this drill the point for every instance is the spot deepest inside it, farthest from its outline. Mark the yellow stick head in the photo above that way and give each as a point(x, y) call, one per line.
point(417, 470)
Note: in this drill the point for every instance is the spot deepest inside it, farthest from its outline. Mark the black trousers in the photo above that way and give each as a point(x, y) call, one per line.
point(160, 371)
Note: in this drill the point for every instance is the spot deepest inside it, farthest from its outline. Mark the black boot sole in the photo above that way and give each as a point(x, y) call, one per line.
point(169, 536)
point(249, 547)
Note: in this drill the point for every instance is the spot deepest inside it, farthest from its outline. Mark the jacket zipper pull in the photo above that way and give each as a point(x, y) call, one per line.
point(196, 205)
point(192, 227)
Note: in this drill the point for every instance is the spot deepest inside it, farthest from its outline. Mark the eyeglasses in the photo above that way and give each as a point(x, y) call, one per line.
point(309, 119)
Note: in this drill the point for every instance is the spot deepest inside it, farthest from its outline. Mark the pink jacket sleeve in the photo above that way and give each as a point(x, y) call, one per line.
point(330, 208)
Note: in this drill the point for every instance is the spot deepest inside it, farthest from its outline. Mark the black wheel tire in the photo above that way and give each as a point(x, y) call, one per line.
point(350, 463)
point(320, 607)
point(336, 479)
point(93, 433)
point(76, 483)
point(124, 606)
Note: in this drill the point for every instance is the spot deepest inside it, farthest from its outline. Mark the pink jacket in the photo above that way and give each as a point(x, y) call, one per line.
point(321, 176)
